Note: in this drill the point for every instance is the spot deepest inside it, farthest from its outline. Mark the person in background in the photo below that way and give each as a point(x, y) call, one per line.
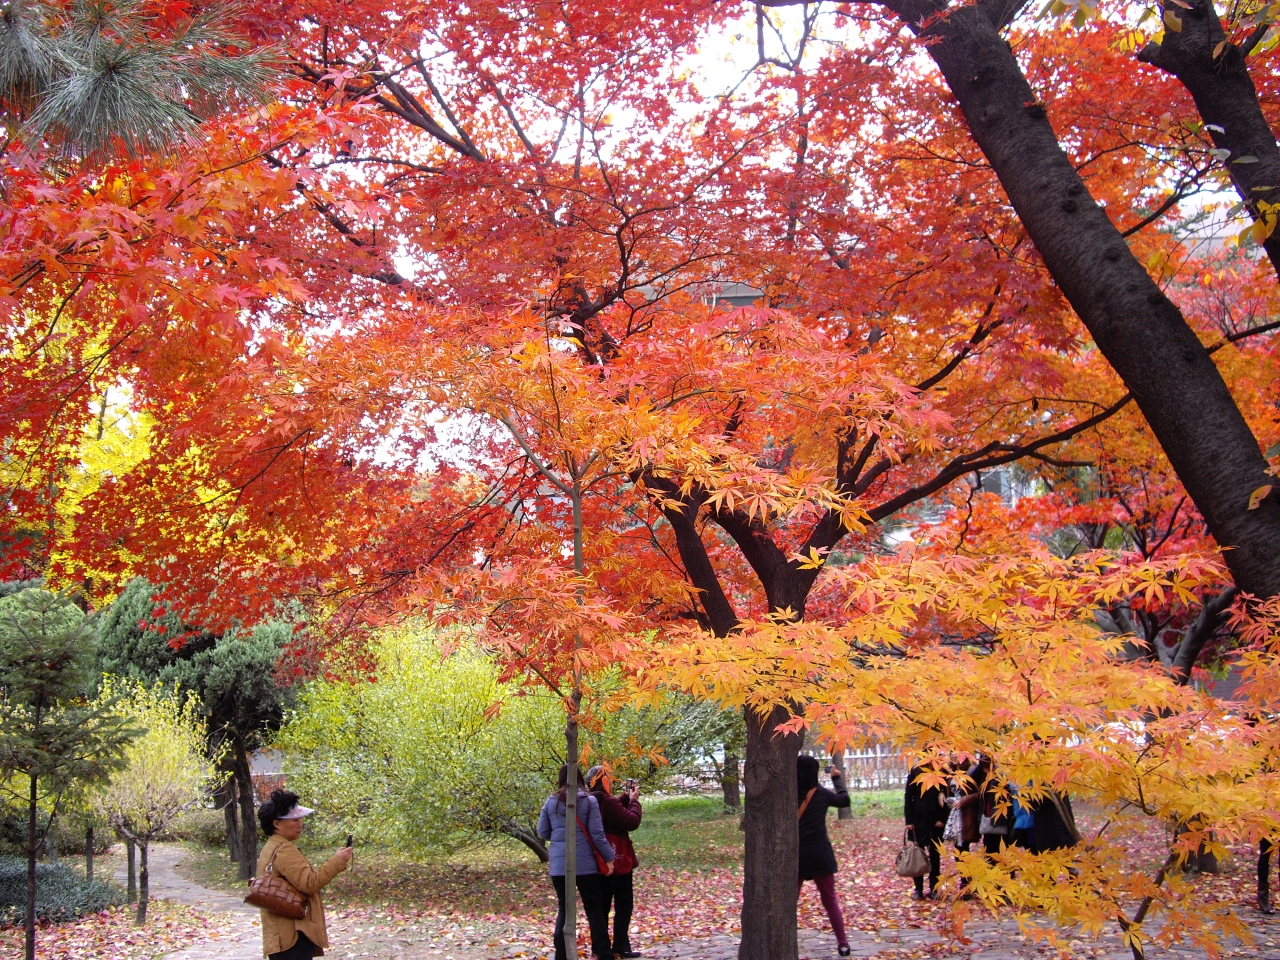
point(551, 827)
point(925, 811)
point(1054, 827)
point(1266, 847)
point(995, 823)
point(817, 858)
point(1024, 821)
point(284, 938)
point(968, 800)
point(621, 815)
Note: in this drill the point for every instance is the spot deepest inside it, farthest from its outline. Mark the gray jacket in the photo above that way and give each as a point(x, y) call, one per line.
point(551, 827)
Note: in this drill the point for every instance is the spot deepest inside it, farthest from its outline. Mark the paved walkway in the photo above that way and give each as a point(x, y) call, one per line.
point(237, 936)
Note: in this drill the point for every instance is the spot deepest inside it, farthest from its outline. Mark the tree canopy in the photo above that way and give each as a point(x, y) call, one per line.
point(451, 328)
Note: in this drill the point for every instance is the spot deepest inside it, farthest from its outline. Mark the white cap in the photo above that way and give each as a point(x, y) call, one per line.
point(296, 813)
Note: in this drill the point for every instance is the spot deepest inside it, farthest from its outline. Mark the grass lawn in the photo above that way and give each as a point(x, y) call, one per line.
point(678, 833)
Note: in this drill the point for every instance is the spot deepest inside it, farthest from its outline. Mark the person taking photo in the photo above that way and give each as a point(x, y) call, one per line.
point(621, 814)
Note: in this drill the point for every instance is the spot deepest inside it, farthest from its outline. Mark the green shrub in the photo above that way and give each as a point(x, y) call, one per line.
point(60, 894)
point(13, 831)
point(199, 825)
point(71, 826)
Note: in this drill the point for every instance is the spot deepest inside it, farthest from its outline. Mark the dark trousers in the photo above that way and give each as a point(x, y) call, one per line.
point(1023, 837)
point(1265, 849)
point(935, 868)
point(991, 842)
point(302, 949)
point(591, 894)
point(619, 892)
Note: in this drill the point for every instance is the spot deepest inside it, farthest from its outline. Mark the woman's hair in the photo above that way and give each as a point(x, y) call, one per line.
point(562, 787)
point(806, 774)
point(281, 802)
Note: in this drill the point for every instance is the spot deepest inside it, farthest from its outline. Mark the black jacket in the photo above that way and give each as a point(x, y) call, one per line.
point(1049, 831)
point(922, 811)
point(817, 859)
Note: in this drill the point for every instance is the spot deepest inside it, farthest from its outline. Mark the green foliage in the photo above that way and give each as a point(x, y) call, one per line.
point(95, 78)
point(10, 587)
point(419, 759)
point(199, 825)
point(61, 894)
point(233, 673)
point(50, 734)
point(436, 753)
point(166, 770)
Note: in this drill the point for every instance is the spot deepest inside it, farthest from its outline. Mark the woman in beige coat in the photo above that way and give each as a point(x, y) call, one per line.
point(282, 938)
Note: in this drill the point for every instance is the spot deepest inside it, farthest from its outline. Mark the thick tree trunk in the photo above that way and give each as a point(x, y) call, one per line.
point(730, 784)
point(33, 847)
point(1227, 102)
point(772, 841)
point(144, 884)
point(225, 798)
point(248, 860)
point(1141, 333)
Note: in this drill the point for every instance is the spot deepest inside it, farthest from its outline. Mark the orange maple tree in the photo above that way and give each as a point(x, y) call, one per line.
point(443, 325)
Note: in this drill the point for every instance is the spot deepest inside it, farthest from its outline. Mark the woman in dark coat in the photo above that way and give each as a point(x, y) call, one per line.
point(621, 815)
point(972, 789)
point(1050, 830)
point(925, 810)
point(817, 859)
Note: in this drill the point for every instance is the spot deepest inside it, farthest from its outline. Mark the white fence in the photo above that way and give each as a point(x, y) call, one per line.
point(874, 768)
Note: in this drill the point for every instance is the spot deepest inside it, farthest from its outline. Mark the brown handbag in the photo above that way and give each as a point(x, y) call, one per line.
point(274, 893)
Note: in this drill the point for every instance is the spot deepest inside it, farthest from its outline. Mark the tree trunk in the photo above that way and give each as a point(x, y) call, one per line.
point(131, 850)
point(88, 854)
point(32, 847)
point(772, 841)
point(225, 797)
point(1137, 328)
point(571, 836)
point(520, 832)
point(248, 859)
point(144, 884)
point(730, 785)
point(1228, 103)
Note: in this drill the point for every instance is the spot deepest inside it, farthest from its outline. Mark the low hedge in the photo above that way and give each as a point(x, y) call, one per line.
point(61, 895)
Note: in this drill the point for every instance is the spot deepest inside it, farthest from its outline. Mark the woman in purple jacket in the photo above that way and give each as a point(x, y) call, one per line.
point(551, 827)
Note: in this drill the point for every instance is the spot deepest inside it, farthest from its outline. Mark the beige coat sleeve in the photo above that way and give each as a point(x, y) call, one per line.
point(293, 866)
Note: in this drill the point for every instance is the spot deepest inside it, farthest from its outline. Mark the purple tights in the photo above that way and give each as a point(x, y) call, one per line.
point(831, 903)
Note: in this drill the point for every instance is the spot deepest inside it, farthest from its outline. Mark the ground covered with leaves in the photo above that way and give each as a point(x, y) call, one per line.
point(497, 900)
point(112, 935)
